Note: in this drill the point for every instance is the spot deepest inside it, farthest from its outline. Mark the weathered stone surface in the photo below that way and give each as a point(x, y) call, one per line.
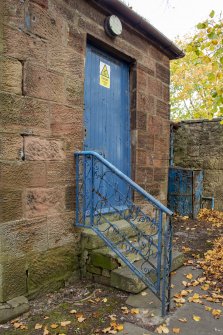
point(44, 84)
point(43, 149)
point(67, 121)
point(17, 175)
point(51, 266)
point(10, 147)
point(93, 269)
point(13, 278)
point(18, 44)
point(20, 113)
point(44, 201)
point(103, 261)
point(11, 75)
point(60, 172)
point(74, 91)
point(13, 308)
point(66, 60)
point(45, 24)
point(19, 238)
point(11, 204)
point(61, 231)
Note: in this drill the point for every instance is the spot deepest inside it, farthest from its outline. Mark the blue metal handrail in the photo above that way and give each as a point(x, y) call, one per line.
point(101, 190)
point(139, 189)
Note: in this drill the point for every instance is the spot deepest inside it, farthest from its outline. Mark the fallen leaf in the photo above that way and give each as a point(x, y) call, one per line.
point(112, 317)
point(176, 330)
point(216, 313)
point(162, 329)
point(185, 283)
point(104, 300)
point(81, 319)
point(134, 311)
point(65, 323)
point(17, 325)
point(184, 320)
point(207, 308)
point(189, 276)
point(45, 331)
point(73, 311)
point(54, 326)
point(196, 318)
point(23, 327)
point(144, 293)
point(46, 317)
point(38, 326)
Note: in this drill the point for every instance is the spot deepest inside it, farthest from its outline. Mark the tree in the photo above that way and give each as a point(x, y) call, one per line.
point(197, 79)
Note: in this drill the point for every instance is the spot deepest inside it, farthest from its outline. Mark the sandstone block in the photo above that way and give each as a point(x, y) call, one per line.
point(18, 44)
point(155, 87)
point(44, 84)
point(45, 24)
point(11, 205)
point(17, 175)
point(42, 3)
point(10, 147)
point(13, 13)
point(145, 141)
point(70, 198)
point(74, 92)
point(162, 109)
point(60, 172)
point(66, 60)
point(13, 278)
point(21, 237)
point(44, 201)
point(61, 231)
point(19, 112)
point(13, 308)
point(146, 103)
point(11, 75)
point(163, 73)
point(43, 149)
point(166, 93)
point(51, 266)
point(76, 39)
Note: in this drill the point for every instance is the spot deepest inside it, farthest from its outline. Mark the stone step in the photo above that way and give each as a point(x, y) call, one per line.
point(124, 279)
point(90, 240)
point(105, 258)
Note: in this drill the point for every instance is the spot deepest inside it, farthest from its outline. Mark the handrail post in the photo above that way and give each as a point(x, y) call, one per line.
point(92, 191)
point(159, 255)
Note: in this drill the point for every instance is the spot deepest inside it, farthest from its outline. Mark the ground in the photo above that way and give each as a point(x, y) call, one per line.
point(86, 308)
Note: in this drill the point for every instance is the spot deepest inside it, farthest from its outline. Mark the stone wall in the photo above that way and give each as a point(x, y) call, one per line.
point(199, 144)
point(42, 55)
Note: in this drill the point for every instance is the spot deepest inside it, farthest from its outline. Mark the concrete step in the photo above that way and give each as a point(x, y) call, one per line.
point(90, 240)
point(124, 279)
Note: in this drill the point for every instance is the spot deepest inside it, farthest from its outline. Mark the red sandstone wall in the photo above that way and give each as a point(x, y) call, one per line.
point(42, 54)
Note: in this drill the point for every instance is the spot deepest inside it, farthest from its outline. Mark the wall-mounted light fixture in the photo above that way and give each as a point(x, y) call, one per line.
point(113, 26)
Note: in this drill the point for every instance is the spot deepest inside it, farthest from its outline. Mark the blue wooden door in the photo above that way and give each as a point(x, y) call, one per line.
point(107, 116)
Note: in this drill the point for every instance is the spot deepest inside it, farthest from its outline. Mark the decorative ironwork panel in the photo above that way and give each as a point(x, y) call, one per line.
point(102, 206)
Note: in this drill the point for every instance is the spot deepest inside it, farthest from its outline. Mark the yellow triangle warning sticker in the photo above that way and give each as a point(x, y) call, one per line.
point(104, 71)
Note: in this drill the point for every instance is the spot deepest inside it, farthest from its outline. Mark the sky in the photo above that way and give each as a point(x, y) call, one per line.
point(175, 17)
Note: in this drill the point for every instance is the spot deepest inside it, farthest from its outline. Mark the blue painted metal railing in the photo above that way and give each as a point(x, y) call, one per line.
point(100, 205)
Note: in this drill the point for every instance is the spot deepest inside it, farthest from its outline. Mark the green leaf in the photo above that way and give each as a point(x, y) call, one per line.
point(221, 60)
point(201, 25)
point(212, 13)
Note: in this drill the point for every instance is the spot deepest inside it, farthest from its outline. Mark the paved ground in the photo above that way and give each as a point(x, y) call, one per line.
point(207, 324)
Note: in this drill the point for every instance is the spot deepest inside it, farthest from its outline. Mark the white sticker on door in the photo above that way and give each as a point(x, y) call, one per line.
point(105, 72)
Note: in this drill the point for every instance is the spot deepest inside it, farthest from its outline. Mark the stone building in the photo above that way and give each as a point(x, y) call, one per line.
point(43, 48)
point(199, 144)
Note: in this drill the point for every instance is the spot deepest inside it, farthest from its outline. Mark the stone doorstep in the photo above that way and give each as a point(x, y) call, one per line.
point(13, 308)
point(90, 240)
point(124, 279)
